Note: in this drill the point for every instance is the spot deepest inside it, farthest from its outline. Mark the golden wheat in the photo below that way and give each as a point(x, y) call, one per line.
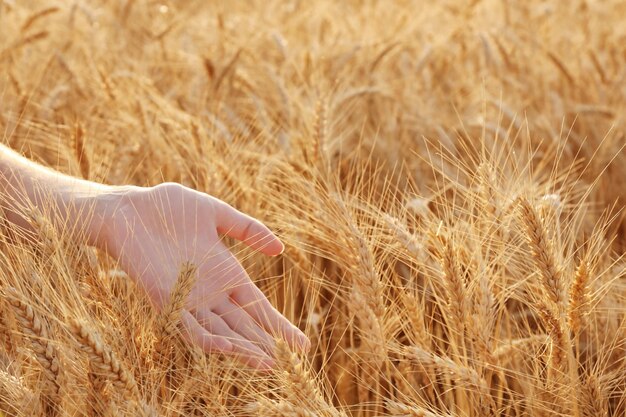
point(447, 178)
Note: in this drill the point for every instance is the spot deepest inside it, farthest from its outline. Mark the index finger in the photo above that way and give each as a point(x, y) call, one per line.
point(231, 222)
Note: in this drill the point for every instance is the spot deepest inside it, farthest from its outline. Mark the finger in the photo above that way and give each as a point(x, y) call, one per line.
point(244, 351)
point(233, 223)
point(195, 334)
point(256, 304)
point(238, 320)
point(247, 295)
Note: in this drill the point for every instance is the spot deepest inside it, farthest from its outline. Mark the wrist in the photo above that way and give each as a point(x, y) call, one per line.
point(74, 206)
point(92, 209)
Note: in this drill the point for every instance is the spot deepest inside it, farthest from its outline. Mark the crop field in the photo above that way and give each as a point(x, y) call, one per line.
point(448, 179)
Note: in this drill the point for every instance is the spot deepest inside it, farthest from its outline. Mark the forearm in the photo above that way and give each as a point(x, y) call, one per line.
point(71, 203)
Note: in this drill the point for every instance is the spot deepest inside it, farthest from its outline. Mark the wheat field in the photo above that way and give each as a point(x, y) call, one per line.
point(447, 178)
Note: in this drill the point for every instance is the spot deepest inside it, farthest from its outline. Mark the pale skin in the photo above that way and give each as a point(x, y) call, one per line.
point(151, 231)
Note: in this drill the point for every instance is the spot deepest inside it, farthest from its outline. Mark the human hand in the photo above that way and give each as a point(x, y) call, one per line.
point(152, 231)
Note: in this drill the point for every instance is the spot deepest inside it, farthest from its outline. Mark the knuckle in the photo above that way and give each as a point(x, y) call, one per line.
point(169, 188)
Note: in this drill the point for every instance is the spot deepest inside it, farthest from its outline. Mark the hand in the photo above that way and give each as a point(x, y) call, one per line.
point(152, 231)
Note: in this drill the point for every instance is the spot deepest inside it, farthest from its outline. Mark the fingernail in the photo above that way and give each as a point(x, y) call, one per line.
point(282, 250)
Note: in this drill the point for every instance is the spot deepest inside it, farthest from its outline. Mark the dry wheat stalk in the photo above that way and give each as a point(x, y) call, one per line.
point(45, 230)
point(165, 328)
point(562, 67)
point(7, 323)
point(403, 380)
point(489, 197)
point(466, 375)
point(363, 267)
point(137, 107)
point(344, 378)
point(36, 16)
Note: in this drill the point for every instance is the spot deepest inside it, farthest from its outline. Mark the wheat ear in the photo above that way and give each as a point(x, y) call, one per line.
point(301, 387)
point(593, 399)
point(558, 343)
point(397, 409)
point(578, 307)
point(372, 347)
point(456, 291)
point(367, 276)
point(81, 152)
point(35, 329)
point(169, 318)
point(20, 401)
point(519, 347)
point(268, 408)
point(543, 254)
point(104, 363)
point(562, 362)
point(415, 324)
point(465, 375)
point(320, 129)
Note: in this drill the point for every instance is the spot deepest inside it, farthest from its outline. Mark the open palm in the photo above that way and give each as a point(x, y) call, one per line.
point(154, 230)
